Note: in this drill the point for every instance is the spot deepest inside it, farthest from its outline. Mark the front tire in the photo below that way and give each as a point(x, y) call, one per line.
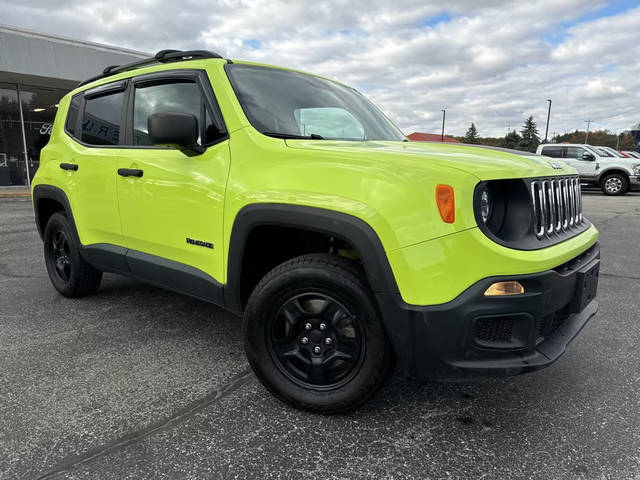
point(313, 335)
point(614, 184)
point(69, 273)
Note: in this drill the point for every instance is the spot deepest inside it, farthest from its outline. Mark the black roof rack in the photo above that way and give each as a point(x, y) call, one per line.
point(163, 56)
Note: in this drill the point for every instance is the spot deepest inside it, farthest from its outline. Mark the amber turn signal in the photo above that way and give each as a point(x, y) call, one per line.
point(504, 288)
point(446, 203)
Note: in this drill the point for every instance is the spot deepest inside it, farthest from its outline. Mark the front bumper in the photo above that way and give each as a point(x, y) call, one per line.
point(474, 335)
point(634, 183)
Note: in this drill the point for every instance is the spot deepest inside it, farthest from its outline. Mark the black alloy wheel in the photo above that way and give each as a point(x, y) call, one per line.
point(316, 341)
point(69, 273)
point(61, 255)
point(314, 336)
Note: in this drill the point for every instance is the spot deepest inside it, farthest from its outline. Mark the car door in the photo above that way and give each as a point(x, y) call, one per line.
point(575, 157)
point(172, 213)
point(94, 120)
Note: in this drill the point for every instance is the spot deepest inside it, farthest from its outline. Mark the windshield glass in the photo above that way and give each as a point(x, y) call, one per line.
point(602, 152)
point(287, 104)
point(614, 153)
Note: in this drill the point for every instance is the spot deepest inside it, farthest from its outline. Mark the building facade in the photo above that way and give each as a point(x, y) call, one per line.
point(36, 71)
point(430, 137)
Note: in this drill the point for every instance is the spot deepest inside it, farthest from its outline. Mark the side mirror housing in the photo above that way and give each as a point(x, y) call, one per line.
point(589, 157)
point(173, 128)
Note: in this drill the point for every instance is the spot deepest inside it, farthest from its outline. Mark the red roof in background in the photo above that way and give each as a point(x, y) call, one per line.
point(430, 137)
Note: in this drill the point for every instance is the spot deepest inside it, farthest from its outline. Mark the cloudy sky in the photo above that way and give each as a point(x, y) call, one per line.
point(490, 62)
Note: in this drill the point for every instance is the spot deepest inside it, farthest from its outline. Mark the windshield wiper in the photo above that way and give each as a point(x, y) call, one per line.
point(290, 136)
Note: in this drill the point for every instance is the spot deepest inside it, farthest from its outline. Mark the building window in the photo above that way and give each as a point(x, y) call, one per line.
point(12, 166)
point(39, 108)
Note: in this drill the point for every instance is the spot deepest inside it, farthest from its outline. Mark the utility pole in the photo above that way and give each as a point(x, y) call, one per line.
point(618, 142)
point(587, 136)
point(546, 133)
point(444, 113)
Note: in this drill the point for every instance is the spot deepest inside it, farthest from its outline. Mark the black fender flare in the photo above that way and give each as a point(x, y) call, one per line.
point(50, 192)
point(340, 225)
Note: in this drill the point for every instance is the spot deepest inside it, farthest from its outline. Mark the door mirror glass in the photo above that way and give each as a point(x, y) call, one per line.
point(588, 157)
point(173, 128)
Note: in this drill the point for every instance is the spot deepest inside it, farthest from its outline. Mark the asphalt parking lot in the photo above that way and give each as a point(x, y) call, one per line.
point(136, 382)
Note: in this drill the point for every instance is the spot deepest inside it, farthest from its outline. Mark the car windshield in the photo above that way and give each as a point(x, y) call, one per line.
point(614, 153)
point(287, 104)
point(602, 152)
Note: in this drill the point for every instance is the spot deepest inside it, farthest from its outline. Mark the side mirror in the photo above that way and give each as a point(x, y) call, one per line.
point(589, 157)
point(173, 128)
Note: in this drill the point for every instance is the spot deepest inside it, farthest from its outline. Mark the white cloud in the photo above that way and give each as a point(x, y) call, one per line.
point(492, 62)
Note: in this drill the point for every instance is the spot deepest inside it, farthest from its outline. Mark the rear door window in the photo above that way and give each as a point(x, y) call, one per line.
point(555, 152)
point(101, 119)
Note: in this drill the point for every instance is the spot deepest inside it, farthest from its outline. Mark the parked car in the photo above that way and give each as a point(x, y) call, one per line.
point(632, 154)
point(615, 175)
point(611, 151)
point(292, 201)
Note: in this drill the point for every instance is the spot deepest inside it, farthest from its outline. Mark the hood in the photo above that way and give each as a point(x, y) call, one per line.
point(485, 163)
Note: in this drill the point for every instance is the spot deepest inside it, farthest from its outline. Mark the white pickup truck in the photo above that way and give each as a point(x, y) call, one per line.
point(614, 175)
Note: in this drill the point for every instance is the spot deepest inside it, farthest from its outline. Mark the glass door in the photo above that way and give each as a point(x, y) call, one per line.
point(39, 107)
point(12, 168)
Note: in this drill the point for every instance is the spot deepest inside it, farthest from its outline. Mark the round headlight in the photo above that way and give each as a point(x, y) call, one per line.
point(485, 205)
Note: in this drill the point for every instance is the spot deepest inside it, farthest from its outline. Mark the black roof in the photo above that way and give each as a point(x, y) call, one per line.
point(163, 56)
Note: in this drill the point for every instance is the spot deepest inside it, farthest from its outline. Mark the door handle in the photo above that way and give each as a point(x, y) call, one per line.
point(69, 166)
point(130, 172)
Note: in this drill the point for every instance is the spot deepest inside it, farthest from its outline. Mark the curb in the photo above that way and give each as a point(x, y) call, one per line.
point(14, 194)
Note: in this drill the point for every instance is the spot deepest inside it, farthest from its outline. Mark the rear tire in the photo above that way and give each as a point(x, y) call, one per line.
point(69, 273)
point(313, 335)
point(614, 184)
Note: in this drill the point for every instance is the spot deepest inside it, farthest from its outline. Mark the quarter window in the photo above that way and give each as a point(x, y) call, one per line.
point(72, 116)
point(101, 119)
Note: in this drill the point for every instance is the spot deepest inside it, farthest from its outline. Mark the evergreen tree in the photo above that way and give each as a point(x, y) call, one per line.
point(472, 135)
point(530, 139)
point(511, 140)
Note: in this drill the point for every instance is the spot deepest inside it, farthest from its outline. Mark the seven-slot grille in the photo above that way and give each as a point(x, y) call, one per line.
point(557, 205)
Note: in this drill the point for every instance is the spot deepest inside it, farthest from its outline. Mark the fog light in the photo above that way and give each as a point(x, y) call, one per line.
point(504, 288)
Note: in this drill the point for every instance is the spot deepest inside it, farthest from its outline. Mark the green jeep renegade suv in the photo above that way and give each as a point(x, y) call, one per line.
point(293, 201)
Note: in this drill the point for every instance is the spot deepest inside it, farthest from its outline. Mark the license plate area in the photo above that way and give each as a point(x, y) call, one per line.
point(586, 287)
